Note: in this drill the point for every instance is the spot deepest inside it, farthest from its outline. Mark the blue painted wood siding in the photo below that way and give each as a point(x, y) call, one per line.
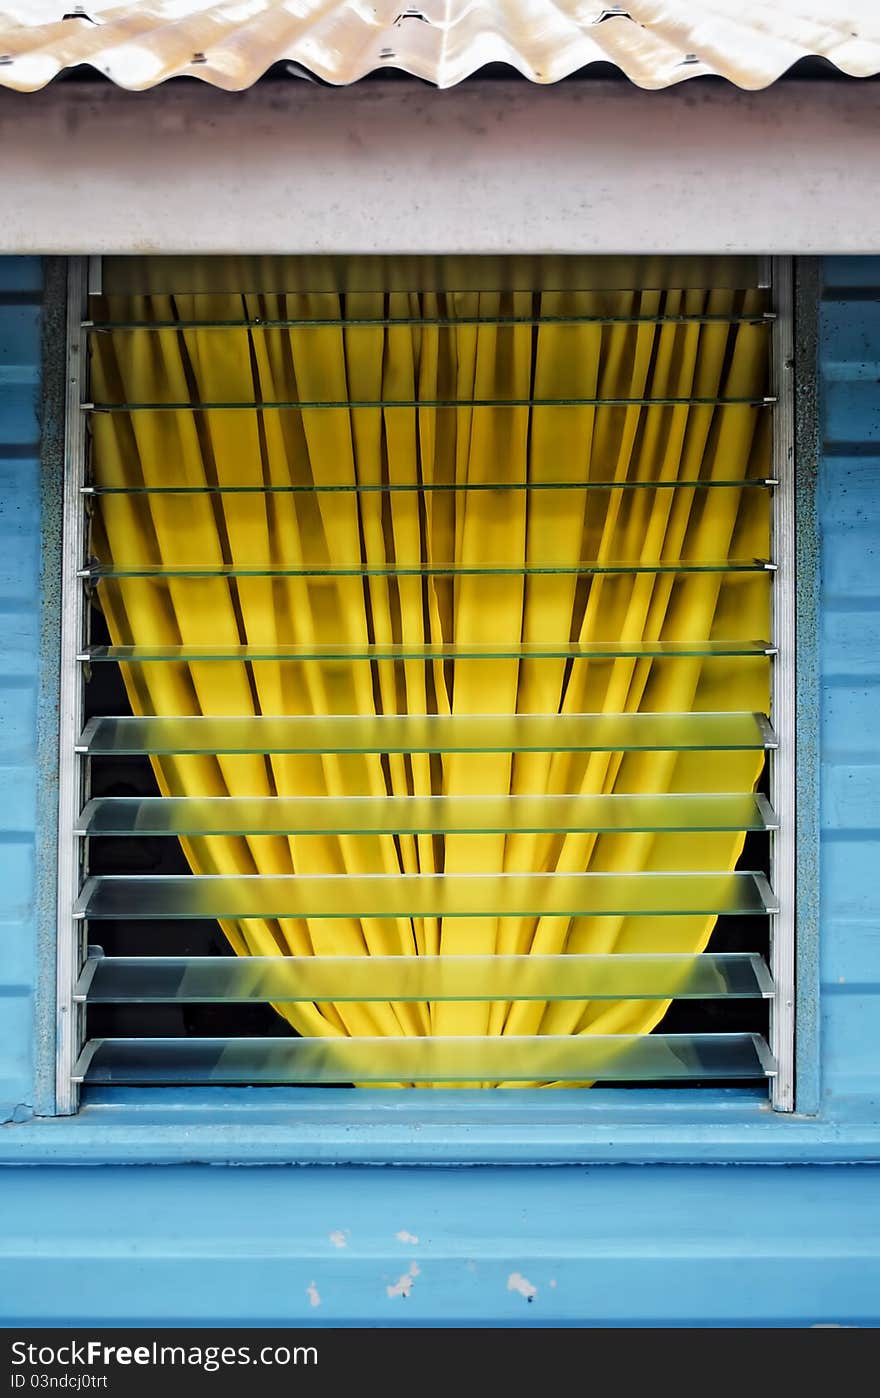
point(609, 1246)
point(849, 516)
point(20, 357)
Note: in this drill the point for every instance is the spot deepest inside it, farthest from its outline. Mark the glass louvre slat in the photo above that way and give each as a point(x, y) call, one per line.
point(318, 733)
point(505, 1058)
point(209, 979)
point(423, 487)
point(421, 568)
point(354, 405)
point(423, 895)
point(437, 650)
point(355, 815)
point(356, 323)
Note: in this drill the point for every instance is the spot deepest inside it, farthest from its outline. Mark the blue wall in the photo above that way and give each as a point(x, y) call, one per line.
point(849, 513)
point(711, 1236)
point(20, 325)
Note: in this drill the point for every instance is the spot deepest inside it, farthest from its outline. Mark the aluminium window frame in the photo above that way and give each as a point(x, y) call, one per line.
point(82, 274)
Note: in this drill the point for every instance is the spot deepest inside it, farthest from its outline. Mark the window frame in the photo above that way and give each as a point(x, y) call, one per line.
point(525, 1129)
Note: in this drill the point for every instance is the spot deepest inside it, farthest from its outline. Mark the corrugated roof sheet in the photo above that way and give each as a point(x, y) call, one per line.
point(656, 43)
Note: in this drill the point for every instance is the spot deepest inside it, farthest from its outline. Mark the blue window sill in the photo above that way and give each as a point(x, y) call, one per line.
point(360, 1127)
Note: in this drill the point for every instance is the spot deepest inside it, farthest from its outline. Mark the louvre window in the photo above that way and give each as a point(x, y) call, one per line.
point(426, 712)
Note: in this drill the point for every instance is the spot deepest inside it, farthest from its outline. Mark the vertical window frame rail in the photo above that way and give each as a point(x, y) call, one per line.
point(72, 765)
point(783, 690)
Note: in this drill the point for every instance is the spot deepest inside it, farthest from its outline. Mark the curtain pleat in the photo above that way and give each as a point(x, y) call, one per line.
point(508, 525)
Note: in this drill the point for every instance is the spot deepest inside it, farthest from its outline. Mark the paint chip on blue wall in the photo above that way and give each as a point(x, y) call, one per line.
point(517, 1282)
point(403, 1286)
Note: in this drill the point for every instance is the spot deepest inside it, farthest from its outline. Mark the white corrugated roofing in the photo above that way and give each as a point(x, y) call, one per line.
point(656, 43)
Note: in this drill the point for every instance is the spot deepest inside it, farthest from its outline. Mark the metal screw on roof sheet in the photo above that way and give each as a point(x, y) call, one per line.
point(412, 14)
point(688, 59)
point(615, 13)
point(386, 53)
point(5, 59)
point(198, 58)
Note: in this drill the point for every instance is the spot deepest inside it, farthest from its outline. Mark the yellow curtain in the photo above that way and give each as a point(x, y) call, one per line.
point(512, 527)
